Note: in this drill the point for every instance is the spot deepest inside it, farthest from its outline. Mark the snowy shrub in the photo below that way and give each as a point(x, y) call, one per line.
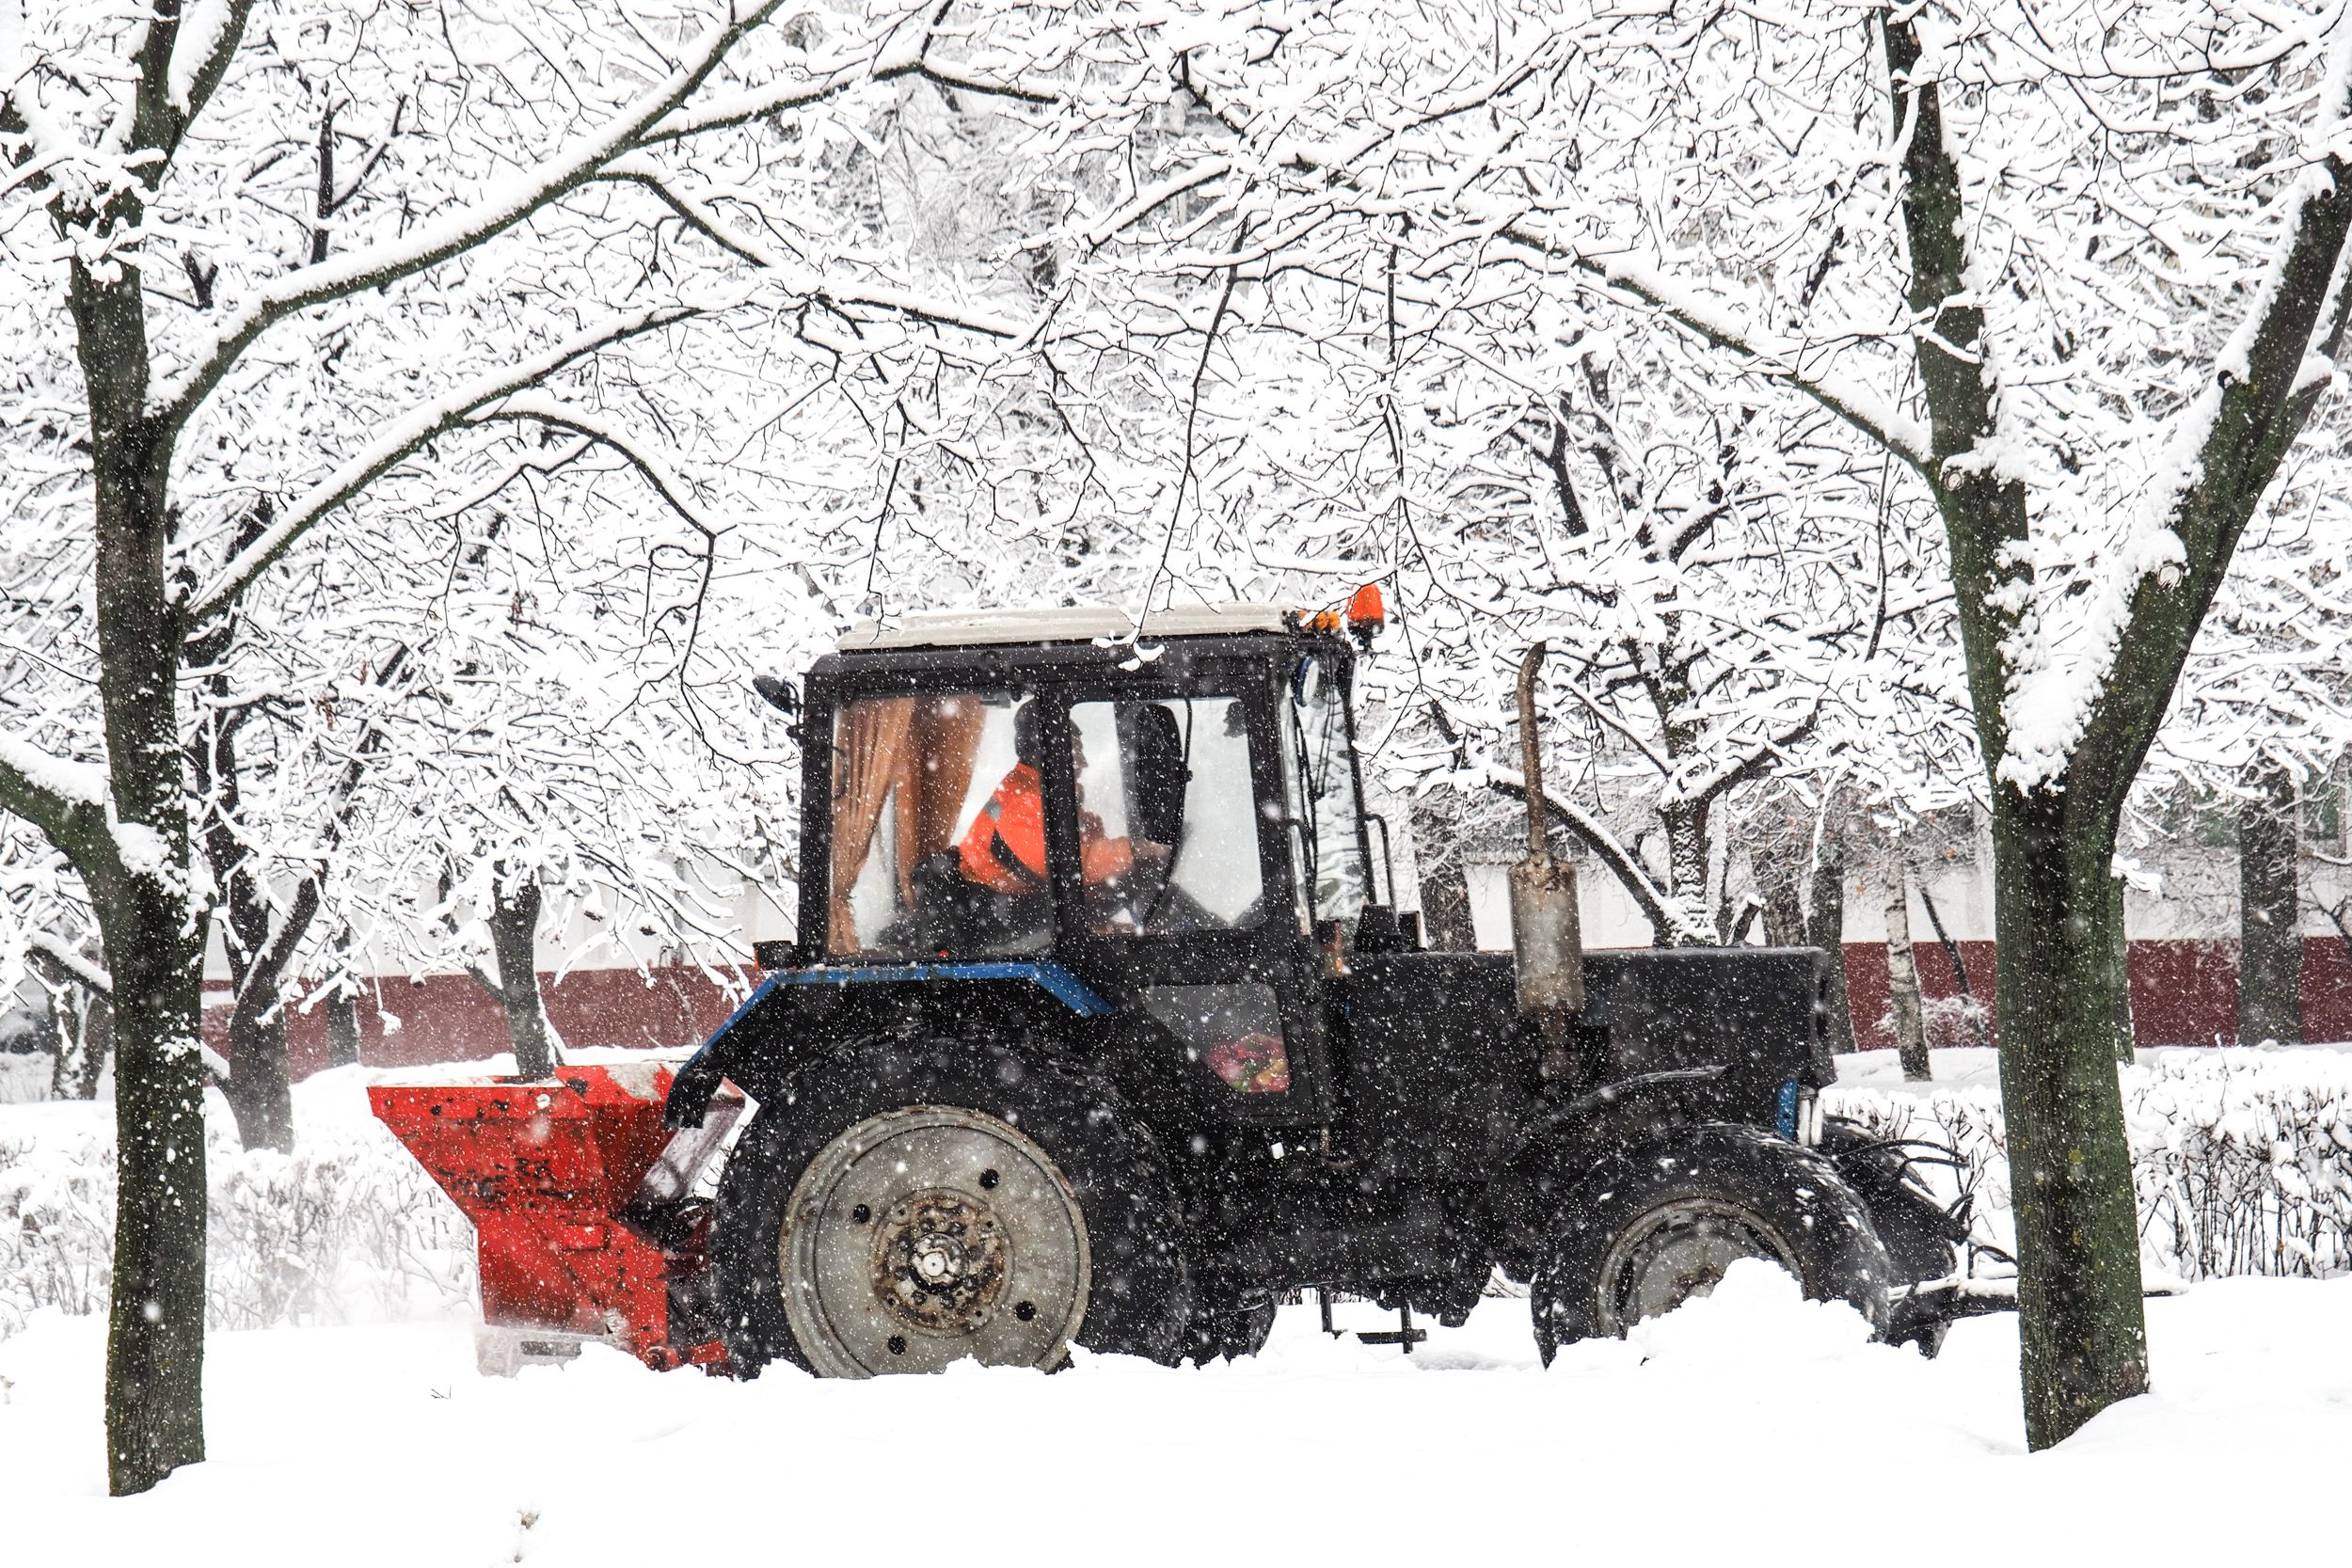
point(2242, 1158)
point(346, 1229)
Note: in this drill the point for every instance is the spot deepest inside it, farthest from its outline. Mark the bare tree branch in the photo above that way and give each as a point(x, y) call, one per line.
point(403, 439)
point(452, 235)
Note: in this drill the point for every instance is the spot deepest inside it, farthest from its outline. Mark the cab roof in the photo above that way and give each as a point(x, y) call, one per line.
point(1064, 623)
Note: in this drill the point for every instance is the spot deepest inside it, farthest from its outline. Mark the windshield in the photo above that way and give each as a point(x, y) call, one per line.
point(1326, 818)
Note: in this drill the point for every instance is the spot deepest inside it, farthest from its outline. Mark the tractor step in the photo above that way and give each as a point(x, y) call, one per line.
point(1403, 1335)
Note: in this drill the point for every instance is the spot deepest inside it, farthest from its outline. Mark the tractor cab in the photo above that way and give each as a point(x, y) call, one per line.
point(1178, 840)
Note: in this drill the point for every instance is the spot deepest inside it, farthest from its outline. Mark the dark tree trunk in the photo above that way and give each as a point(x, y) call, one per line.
point(513, 936)
point(154, 941)
point(1825, 928)
point(2271, 925)
point(1686, 853)
point(2060, 990)
point(342, 1026)
point(155, 1328)
point(260, 1090)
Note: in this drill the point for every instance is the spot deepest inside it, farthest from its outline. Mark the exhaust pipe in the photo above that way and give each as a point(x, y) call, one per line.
point(1547, 936)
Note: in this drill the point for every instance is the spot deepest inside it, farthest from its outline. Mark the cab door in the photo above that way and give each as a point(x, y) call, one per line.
point(1178, 884)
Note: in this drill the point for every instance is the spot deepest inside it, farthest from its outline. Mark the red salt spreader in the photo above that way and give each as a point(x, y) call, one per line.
point(583, 1208)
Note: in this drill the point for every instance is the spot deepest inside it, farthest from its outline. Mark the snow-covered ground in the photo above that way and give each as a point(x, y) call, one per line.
point(1979, 1067)
point(1751, 1427)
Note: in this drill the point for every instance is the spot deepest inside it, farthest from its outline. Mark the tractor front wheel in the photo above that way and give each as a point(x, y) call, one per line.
point(1660, 1226)
point(902, 1211)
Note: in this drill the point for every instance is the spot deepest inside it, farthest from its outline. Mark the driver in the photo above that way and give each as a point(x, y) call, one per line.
point(1004, 851)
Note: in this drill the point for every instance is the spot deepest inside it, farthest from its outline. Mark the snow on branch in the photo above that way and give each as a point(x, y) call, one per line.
point(68, 958)
point(45, 789)
point(908, 55)
point(1780, 358)
point(401, 440)
point(1751, 765)
point(455, 233)
point(592, 424)
point(1788, 359)
point(799, 278)
point(2102, 678)
point(204, 38)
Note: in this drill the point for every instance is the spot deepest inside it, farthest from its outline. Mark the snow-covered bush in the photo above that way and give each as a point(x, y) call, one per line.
point(348, 1228)
point(2242, 1158)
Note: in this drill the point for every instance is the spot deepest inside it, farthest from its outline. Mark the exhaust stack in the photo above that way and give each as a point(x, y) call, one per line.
point(1547, 937)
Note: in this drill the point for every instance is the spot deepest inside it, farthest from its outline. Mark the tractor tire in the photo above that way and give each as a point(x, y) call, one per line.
point(903, 1208)
point(1656, 1229)
point(1224, 1325)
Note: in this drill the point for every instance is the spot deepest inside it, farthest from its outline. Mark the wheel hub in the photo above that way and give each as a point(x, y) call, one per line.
point(1680, 1251)
point(927, 1235)
point(939, 1262)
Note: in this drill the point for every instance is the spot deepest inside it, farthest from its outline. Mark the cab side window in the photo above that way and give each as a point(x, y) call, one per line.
point(913, 874)
point(1168, 816)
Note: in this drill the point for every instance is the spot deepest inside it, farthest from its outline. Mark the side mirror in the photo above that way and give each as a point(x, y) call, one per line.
point(778, 695)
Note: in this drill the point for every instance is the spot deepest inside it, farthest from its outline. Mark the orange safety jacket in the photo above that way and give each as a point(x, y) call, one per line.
point(1003, 851)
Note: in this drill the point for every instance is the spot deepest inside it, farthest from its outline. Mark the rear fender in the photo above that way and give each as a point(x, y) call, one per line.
point(1920, 1233)
point(797, 1013)
point(1583, 1139)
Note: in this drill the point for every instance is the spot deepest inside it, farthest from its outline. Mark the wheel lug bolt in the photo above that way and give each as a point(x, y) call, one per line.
point(988, 1178)
point(1025, 1310)
point(861, 1214)
point(898, 1344)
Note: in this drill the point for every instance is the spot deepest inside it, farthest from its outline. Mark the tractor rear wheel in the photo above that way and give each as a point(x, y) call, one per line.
point(903, 1210)
point(1660, 1226)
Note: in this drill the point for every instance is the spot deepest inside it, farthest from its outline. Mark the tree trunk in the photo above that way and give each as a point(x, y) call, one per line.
point(1825, 928)
point(155, 1328)
point(1903, 981)
point(137, 869)
point(1685, 854)
point(1784, 910)
point(2057, 918)
point(2270, 927)
point(342, 1026)
point(1445, 909)
point(260, 1090)
point(513, 936)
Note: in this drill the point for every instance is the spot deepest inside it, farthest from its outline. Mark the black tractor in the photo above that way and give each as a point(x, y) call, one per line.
point(1103, 1028)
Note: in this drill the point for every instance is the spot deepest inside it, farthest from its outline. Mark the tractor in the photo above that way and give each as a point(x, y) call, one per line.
point(1101, 1027)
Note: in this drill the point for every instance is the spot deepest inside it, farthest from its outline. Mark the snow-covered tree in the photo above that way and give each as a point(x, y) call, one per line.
point(2075, 274)
point(272, 260)
point(2263, 712)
